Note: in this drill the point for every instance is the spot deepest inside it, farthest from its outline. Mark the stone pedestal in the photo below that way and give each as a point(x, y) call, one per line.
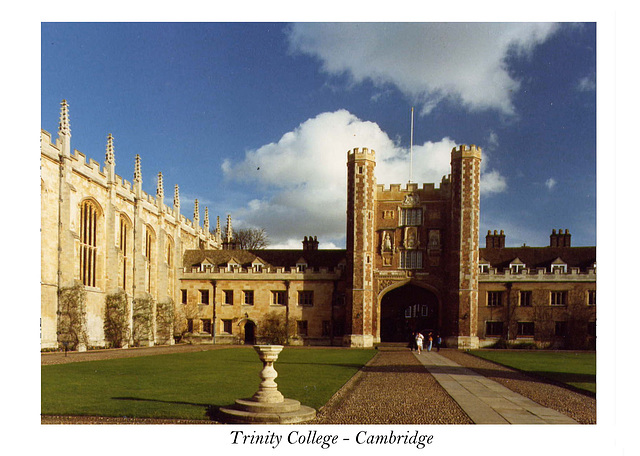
point(268, 405)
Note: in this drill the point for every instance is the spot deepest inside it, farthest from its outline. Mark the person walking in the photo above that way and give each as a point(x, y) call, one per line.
point(419, 339)
point(430, 341)
point(438, 342)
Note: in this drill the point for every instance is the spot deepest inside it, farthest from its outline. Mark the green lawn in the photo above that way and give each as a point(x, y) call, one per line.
point(577, 369)
point(185, 385)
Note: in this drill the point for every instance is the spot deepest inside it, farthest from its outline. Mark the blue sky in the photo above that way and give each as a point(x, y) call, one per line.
point(254, 119)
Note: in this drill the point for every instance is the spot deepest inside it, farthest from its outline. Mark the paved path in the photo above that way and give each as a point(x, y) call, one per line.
point(486, 401)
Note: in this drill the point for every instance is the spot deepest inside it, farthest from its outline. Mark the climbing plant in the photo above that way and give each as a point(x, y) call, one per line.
point(72, 317)
point(116, 319)
point(142, 319)
point(164, 319)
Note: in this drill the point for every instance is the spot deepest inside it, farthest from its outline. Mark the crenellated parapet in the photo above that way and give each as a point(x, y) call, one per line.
point(358, 153)
point(494, 275)
point(464, 151)
point(93, 173)
point(209, 272)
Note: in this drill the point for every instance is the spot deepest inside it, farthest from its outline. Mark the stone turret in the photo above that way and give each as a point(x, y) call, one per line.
point(464, 253)
point(110, 160)
point(176, 202)
point(137, 178)
point(196, 215)
point(64, 130)
point(361, 184)
point(160, 191)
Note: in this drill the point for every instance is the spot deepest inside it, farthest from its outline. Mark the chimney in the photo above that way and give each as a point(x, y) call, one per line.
point(310, 243)
point(495, 240)
point(560, 239)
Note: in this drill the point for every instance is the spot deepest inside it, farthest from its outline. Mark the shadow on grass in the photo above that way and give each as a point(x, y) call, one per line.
point(552, 378)
point(210, 411)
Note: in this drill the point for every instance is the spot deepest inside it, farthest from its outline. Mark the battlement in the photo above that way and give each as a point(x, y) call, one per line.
point(359, 153)
point(93, 171)
point(278, 273)
point(408, 188)
point(537, 275)
point(464, 151)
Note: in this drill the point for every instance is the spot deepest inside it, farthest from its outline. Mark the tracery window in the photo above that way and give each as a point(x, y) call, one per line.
point(410, 259)
point(88, 243)
point(124, 244)
point(148, 250)
point(411, 216)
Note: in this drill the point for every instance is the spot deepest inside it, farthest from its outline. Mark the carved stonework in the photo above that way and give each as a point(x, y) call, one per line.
point(382, 284)
point(411, 200)
point(411, 238)
point(434, 239)
point(387, 241)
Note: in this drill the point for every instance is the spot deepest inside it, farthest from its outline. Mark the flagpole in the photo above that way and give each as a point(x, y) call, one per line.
point(411, 150)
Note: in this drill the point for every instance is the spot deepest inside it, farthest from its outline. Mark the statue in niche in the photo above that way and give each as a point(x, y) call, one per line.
point(434, 239)
point(387, 244)
point(411, 238)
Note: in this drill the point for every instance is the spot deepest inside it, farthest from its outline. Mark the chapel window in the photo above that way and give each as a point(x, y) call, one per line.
point(124, 249)
point(88, 243)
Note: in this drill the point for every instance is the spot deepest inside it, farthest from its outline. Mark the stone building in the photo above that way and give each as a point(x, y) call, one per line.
point(412, 262)
point(107, 235)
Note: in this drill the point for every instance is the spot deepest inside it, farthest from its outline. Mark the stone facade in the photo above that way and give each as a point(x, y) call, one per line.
point(105, 233)
point(412, 262)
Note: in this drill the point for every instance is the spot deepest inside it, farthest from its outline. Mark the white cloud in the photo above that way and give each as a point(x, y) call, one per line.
point(302, 177)
point(550, 183)
point(587, 84)
point(429, 61)
point(492, 182)
point(492, 140)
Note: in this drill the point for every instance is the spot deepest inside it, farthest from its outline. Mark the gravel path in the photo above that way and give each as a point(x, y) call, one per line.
point(393, 388)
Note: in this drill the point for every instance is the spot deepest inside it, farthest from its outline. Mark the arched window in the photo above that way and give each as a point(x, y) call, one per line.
point(125, 230)
point(88, 242)
point(148, 251)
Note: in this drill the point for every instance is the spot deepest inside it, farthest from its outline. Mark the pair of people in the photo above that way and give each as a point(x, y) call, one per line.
point(420, 341)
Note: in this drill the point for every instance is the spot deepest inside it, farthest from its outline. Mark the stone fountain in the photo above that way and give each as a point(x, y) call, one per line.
point(267, 405)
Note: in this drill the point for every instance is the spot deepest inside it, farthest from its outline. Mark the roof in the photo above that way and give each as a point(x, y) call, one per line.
point(539, 257)
point(284, 258)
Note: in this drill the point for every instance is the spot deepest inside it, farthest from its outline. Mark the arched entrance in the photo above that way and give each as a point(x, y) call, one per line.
point(406, 309)
point(249, 332)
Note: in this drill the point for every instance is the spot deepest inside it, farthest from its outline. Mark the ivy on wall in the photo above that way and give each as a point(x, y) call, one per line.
point(142, 320)
point(72, 317)
point(116, 320)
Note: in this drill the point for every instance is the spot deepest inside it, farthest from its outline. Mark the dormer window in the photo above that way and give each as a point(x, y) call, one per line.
point(232, 265)
point(516, 266)
point(301, 265)
point(558, 265)
point(484, 268)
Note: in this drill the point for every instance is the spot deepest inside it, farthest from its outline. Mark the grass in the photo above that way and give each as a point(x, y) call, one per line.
point(186, 385)
point(576, 369)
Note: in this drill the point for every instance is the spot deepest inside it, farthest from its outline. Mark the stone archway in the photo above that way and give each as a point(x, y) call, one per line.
point(406, 309)
point(249, 332)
